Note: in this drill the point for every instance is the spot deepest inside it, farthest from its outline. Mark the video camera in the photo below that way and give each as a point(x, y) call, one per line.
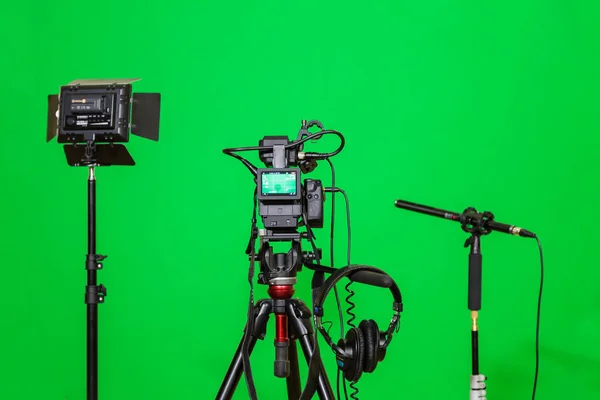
point(282, 197)
point(285, 203)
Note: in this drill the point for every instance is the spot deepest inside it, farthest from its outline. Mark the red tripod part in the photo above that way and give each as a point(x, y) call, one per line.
point(281, 328)
point(281, 292)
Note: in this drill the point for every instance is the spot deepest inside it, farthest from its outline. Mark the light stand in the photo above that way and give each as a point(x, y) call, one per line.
point(94, 155)
point(477, 224)
point(99, 113)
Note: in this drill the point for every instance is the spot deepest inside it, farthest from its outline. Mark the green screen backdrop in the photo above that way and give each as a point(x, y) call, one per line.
point(449, 103)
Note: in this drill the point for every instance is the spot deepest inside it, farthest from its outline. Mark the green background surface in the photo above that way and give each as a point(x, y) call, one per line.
point(447, 103)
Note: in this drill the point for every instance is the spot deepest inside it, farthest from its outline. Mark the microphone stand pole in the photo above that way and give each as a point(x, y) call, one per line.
point(478, 388)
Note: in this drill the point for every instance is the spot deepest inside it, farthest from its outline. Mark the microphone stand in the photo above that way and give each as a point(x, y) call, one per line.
point(477, 224)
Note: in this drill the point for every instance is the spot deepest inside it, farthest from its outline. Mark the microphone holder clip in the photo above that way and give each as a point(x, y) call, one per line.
point(475, 222)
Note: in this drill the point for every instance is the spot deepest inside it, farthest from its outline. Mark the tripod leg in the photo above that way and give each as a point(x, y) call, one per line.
point(234, 373)
point(324, 387)
point(299, 317)
point(293, 380)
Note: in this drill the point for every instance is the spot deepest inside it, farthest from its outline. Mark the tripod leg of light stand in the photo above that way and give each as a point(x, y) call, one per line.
point(302, 330)
point(234, 373)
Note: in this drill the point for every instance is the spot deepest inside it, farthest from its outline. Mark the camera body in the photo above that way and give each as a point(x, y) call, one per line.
point(285, 203)
point(282, 197)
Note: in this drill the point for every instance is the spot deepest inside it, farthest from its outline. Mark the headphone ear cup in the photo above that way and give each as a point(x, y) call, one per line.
point(354, 347)
point(371, 335)
point(380, 350)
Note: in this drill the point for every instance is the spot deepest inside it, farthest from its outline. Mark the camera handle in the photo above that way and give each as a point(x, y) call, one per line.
point(306, 125)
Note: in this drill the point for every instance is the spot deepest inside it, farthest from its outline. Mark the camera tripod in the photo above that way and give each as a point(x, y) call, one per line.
point(293, 316)
point(281, 199)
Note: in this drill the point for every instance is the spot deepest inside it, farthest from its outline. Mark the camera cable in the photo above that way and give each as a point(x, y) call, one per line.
point(250, 318)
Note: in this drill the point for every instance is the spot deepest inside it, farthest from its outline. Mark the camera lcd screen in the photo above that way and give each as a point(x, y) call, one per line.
point(279, 183)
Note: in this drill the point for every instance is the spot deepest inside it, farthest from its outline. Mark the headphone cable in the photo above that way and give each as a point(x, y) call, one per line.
point(337, 297)
point(351, 305)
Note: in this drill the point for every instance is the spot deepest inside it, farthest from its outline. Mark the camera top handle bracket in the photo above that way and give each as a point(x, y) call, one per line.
point(277, 152)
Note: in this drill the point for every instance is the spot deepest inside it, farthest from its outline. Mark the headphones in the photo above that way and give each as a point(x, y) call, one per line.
point(364, 346)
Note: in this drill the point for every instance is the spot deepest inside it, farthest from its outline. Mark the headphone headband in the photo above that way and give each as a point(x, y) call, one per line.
point(348, 272)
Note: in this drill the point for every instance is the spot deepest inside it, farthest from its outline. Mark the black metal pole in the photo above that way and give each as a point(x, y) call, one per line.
point(475, 346)
point(474, 300)
point(92, 309)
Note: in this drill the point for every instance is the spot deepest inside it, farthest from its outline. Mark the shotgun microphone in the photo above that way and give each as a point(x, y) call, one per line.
point(468, 217)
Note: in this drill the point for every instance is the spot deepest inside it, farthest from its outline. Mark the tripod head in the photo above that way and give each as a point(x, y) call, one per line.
point(285, 203)
point(282, 268)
